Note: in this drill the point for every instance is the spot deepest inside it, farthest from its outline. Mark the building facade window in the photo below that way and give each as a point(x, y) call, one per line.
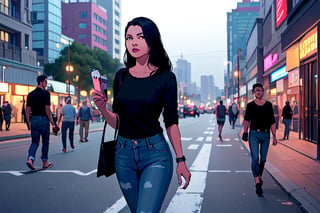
point(83, 26)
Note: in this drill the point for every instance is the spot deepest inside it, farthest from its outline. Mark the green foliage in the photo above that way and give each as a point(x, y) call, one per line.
point(83, 59)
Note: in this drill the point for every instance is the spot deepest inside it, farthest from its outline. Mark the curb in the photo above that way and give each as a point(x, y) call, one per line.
point(305, 200)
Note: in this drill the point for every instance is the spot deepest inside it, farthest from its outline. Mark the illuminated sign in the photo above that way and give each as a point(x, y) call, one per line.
point(281, 11)
point(270, 60)
point(278, 74)
point(308, 45)
point(4, 87)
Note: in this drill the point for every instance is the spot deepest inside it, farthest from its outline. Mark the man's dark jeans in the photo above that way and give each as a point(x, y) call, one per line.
point(40, 126)
point(65, 126)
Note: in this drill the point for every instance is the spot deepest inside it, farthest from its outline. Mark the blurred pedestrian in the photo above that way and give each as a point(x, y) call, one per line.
point(143, 90)
point(68, 116)
point(58, 113)
point(259, 113)
point(276, 114)
point(23, 113)
point(221, 117)
point(7, 110)
point(38, 105)
point(1, 118)
point(286, 118)
point(84, 115)
point(230, 114)
point(235, 113)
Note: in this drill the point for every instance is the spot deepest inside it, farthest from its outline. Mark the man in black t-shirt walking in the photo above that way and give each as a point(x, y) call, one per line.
point(259, 113)
point(38, 106)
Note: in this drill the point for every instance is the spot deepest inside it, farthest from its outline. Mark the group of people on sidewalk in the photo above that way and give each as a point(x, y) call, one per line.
point(69, 118)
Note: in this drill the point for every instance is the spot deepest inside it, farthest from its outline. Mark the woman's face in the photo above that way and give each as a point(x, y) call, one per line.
point(135, 42)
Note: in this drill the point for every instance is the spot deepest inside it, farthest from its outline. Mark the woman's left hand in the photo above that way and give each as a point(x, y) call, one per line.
point(100, 100)
point(182, 170)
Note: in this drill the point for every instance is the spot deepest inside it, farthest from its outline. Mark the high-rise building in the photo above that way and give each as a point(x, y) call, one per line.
point(18, 65)
point(239, 24)
point(86, 23)
point(207, 89)
point(46, 30)
point(114, 26)
point(183, 73)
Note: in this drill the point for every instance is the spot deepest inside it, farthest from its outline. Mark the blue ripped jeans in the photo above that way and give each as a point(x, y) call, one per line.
point(259, 144)
point(144, 171)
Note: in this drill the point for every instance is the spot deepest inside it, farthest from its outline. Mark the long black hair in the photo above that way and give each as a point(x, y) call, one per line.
point(158, 55)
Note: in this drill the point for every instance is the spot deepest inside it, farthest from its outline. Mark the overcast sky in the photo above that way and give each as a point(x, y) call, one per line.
point(195, 29)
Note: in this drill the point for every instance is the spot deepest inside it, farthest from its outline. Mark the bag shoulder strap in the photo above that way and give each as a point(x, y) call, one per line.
point(115, 131)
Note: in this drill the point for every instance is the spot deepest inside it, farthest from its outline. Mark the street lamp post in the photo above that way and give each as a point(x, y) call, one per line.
point(238, 62)
point(69, 68)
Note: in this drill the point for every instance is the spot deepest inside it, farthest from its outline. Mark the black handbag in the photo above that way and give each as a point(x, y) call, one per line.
point(106, 162)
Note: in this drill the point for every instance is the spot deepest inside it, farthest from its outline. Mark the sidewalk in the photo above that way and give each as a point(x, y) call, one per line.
point(292, 163)
point(19, 130)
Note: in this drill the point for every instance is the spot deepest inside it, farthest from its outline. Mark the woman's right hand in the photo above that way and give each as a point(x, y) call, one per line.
point(99, 99)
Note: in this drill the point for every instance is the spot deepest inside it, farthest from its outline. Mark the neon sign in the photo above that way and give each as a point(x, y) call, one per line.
point(278, 74)
point(281, 11)
point(308, 45)
point(270, 60)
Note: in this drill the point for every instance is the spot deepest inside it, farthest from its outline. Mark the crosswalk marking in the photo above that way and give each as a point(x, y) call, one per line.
point(208, 132)
point(192, 197)
point(193, 146)
point(117, 206)
point(200, 139)
point(224, 145)
point(209, 138)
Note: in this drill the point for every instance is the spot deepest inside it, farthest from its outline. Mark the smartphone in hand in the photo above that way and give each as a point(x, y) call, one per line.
point(96, 80)
point(104, 81)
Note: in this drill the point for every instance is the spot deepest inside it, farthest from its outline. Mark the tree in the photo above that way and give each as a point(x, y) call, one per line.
point(83, 59)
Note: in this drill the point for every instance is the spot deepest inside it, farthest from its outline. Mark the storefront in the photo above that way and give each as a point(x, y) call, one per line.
point(303, 31)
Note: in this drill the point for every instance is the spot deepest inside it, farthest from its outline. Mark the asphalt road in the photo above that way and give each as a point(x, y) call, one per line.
point(221, 177)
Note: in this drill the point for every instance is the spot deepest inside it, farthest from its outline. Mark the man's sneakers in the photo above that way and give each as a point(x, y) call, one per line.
point(64, 150)
point(30, 164)
point(46, 165)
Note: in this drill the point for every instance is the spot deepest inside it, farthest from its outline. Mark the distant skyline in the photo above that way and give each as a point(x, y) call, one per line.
point(195, 30)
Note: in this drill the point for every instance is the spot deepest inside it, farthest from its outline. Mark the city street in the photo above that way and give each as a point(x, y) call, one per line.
point(221, 177)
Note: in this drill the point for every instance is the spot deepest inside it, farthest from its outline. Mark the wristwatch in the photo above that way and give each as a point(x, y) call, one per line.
point(182, 159)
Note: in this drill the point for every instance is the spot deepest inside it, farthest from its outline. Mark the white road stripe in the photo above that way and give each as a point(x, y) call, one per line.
point(224, 145)
point(200, 139)
point(186, 139)
point(226, 139)
point(219, 171)
point(193, 146)
point(190, 200)
point(208, 132)
point(209, 138)
point(117, 206)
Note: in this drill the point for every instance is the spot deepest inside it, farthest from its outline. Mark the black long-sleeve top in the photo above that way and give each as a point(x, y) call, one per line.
point(140, 101)
point(260, 117)
point(287, 112)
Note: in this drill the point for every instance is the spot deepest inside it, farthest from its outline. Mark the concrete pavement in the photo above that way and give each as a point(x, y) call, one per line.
point(292, 163)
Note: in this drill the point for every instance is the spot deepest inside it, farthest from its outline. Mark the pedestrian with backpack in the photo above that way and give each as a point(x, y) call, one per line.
point(221, 117)
point(84, 115)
